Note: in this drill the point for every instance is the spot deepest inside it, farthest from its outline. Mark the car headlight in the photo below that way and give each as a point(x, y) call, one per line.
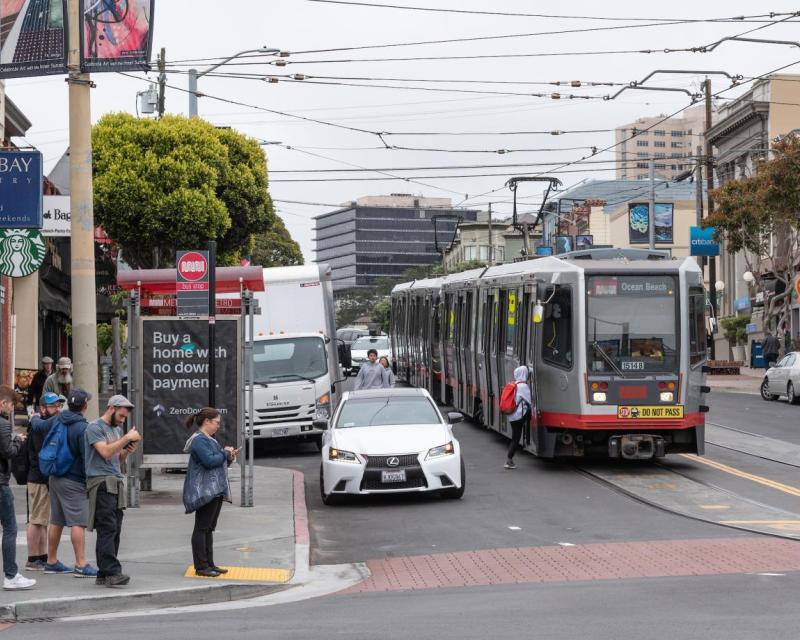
point(323, 408)
point(337, 455)
point(444, 450)
point(667, 396)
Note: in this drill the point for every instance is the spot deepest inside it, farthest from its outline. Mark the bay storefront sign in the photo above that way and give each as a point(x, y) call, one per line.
point(21, 189)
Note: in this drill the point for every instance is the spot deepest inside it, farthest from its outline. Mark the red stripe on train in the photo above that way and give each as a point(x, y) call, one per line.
point(599, 422)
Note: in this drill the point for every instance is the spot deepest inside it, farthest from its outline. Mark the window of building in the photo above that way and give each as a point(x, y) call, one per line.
point(676, 145)
point(688, 132)
point(675, 155)
point(642, 176)
point(660, 143)
point(641, 154)
point(499, 254)
point(676, 134)
point(660, 155)
point(661, 166)
point(470, 253)
point(641, 165)
point(642, 143)
point(660, 132)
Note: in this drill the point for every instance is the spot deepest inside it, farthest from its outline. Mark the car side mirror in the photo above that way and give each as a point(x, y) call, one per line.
point(320, 424)
point(454, 417)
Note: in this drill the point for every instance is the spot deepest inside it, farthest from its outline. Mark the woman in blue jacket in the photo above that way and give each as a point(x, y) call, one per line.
point(206, 486)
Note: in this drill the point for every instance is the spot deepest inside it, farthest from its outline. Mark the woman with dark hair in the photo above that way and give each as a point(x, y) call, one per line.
point(206, 486)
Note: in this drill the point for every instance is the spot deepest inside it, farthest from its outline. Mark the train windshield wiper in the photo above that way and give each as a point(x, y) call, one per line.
point(608, 359)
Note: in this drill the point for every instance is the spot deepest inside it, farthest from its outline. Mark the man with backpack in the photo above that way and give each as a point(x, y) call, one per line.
point(517, 404)
point(38, 494)
point(9, 447)
point(62, 459)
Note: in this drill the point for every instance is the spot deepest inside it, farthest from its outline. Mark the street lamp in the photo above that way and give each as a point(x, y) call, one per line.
point(194, 74)
point(748, 277)
point(719, 286)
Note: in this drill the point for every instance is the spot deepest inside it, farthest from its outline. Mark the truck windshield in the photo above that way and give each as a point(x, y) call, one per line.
point(631, 322)
point(286, 359)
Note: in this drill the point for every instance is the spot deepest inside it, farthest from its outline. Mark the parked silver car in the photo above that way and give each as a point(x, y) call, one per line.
point(783, 379)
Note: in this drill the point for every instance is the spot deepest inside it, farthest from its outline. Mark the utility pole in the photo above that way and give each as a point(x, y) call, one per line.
point(162, 81)
point(84, 302)
point(491, 245)
point(698, 183)
point(712, 261)
point(651, 209)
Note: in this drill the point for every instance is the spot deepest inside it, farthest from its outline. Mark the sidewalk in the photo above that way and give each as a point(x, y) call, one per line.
point(749, 382)
point(258, 544)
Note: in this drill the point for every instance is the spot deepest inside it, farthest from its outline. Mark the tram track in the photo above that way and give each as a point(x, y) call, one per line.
point(753, 444)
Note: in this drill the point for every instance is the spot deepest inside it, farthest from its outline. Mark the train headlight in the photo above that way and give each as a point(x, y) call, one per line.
point(667, 396)
point(599, 396)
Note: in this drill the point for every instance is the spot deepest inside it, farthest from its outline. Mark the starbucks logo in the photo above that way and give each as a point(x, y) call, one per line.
point(21, 252)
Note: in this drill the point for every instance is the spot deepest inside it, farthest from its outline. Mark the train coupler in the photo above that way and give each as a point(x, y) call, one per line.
point(636, 447)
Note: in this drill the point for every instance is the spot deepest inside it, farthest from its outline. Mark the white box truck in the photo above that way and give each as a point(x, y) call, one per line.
point(295, 355)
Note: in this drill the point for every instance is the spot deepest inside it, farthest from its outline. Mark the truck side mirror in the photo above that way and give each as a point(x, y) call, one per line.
point(320, 424)
point(344, 355)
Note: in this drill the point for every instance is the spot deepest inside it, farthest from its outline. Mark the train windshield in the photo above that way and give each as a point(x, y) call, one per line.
point(632, 324)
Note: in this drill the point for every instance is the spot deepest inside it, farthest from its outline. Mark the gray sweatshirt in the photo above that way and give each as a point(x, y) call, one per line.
point(372, 375)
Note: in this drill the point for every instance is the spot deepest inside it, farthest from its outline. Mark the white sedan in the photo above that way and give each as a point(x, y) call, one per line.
point(390, 441)
point(783, 379)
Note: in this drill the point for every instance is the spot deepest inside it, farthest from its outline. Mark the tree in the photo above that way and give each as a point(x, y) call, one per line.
point(760, 215)
point(275, 247)
point(160, 185)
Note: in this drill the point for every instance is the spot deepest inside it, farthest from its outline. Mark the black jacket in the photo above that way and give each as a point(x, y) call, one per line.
point(772, 346)
point(36, 388)
point(9, 447)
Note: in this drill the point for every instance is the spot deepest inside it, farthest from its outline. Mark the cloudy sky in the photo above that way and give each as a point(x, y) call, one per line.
point(335, 43)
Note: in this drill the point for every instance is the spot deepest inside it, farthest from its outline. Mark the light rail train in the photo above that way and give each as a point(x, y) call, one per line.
point(615, 341)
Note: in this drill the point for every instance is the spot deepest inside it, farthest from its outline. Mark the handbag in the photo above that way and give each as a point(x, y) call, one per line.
point(202, 485)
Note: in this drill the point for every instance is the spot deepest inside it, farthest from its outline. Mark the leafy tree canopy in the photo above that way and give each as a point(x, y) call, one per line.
point(275, 247)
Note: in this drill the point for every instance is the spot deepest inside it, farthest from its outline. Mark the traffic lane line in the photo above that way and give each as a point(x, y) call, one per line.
point(588, 562)
point(779, 486)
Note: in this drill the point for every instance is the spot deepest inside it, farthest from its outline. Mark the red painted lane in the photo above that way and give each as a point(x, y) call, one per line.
point(609, 561)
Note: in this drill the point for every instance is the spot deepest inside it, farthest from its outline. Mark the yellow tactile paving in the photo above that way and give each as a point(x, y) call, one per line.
point(253, 574)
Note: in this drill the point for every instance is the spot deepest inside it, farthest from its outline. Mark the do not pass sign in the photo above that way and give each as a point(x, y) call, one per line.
point(192, 283)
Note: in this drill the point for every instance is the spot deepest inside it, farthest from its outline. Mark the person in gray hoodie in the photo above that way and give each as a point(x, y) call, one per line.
point(522, 414)
point(372, 374)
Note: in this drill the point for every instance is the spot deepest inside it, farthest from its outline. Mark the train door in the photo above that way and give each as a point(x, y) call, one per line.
point(436, 348)
point(493, 396)
point(425, 323)
point(468, 404)
point(499, 377)
point(413, 341)
point(449, 347)
point(458, 351)
point(528, 344)
point(481, 349)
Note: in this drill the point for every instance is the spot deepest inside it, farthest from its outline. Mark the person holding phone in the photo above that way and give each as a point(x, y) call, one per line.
point(106, 447)
point(206, 486)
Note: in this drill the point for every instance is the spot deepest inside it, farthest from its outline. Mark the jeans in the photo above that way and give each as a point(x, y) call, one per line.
point(516, 434)
point(8, 520)
point(205, 521)
point(108, 524)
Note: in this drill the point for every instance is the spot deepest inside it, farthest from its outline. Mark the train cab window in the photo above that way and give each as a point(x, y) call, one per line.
point(697, 325)
point(557, 328)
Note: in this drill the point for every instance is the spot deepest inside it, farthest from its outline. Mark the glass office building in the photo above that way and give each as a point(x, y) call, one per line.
point(382, 237)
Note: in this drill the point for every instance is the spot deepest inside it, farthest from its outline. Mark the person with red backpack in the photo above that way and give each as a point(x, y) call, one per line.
point(519, 413)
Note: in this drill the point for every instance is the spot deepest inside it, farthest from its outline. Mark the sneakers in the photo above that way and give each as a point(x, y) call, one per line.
point(35, 565)
point(510, 464)
point(87, 571)
point(100, 581)
point(117, 580)
point(17, 582)
point(57, 567)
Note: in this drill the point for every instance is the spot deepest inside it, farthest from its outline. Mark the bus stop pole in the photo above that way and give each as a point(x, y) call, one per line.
point(251, 399)
point(134, 392)
point(212, 323)
point(241, 439)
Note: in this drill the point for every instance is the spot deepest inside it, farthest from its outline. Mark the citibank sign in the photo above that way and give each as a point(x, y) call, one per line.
point(702, 242)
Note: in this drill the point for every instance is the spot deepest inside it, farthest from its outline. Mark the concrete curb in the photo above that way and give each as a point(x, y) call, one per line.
point(302, 538)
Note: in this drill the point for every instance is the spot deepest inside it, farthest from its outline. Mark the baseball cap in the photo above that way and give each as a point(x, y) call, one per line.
point(119, 401)
point(51, 398)
point(78, 397)
point(47, 360)
point(64, 363)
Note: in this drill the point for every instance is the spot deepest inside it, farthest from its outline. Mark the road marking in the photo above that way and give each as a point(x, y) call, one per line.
point(793, 491)
point(715, 507)
point(515, 528)
point(780, 525)
point(255, 574)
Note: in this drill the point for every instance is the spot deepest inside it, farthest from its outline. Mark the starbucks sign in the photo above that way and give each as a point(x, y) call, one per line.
point(21, 252)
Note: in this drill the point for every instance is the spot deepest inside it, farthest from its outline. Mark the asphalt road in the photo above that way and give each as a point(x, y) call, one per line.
point(777, 419)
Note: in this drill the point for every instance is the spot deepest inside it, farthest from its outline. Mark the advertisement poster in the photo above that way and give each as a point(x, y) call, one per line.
point(564, 244)
point(33, 39)
point(639, 223)
point(584, 242)
point(21, 189)
point(116, 35)
point(175, 380)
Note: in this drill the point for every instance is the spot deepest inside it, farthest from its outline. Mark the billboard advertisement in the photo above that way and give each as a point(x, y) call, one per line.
point(702, 242)
point(584, 241)
point(639, 223)
point(564, 244)
point(116, 35)
point(33, 40)
point(20, 189)
point(175, 380)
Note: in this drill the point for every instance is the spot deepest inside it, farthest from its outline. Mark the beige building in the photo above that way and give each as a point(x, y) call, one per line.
point(472, 241)
point(670, 143)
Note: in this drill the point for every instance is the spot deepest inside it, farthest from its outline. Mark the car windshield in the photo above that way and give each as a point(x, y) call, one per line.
point(287, 359)
point(387, 410)
point(362, 344)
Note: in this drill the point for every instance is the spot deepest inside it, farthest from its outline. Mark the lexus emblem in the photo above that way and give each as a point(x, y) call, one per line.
point(274, 397)
point(393, 461)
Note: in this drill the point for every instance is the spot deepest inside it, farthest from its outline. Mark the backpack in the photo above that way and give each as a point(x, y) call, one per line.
point(508, 399)
point(20, 464)
point(56, 458)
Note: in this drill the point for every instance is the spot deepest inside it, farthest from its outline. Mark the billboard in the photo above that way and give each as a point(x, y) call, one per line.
point(702, 242)
point(584, 241)
point(175, 380)
point(639, 223)
point(56, 217)
point(20, 189)
point(116, 35)
point(564, 244)
point(33, 40)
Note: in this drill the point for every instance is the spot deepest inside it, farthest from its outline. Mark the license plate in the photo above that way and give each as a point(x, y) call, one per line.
point(647, 412)
point(283, 431)
point(393, 476)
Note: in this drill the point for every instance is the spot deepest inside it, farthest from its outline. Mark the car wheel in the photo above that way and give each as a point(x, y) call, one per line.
point(327, 499)
point(458, 492)
point(790, 394)
point(765, 394)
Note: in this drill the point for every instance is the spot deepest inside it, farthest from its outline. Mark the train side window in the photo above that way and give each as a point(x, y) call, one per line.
point(697, 325)
point(557, 328)
point(511, 320)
